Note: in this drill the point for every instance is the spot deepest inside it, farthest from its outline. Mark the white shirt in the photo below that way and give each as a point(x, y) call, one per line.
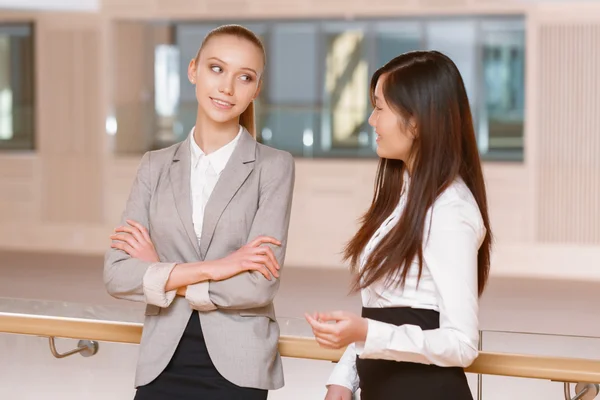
point(454, 231)
point(204, 175)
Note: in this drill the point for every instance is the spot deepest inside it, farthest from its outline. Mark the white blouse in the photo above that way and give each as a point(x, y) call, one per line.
point(204, 175)
point(453, 233)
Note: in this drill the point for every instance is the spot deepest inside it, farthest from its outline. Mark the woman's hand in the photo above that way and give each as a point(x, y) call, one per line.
point(251, 257)
point(337, 392)
point(347, 328)
point(135, 241)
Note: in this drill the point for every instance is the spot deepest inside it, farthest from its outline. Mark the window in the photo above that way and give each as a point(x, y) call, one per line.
point(287, 101)
point(315, 101)
point(16, 87)
point(501, 118)
point(346, 82)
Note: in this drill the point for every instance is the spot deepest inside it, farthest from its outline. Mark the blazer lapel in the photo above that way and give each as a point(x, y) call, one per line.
point(179, 173)
point(236, 172)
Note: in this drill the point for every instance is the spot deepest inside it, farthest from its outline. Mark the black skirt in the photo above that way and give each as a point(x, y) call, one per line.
point(389, 380)
point(192, 375)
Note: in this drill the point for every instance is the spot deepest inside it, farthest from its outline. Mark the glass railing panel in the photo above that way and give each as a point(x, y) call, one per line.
point(29, 372)
point(128, 312)
point(554, 345)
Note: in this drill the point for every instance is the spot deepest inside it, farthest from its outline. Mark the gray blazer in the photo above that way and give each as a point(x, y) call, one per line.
point(252, 197)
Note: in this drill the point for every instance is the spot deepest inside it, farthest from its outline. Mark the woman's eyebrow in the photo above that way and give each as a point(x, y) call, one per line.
point(223, 62)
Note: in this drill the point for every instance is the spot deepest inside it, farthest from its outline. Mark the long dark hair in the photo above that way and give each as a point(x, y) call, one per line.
point(427, 88)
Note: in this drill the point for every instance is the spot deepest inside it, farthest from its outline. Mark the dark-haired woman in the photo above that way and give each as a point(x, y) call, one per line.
point(422, 254)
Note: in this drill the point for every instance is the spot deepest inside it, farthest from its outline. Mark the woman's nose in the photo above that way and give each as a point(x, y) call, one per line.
point(226, 87)
point(372, 119)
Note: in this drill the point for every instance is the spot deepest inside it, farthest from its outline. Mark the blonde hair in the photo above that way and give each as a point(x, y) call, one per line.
point(247, 119)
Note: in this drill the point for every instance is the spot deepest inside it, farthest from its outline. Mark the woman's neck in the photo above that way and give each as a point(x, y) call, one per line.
point(210, 136)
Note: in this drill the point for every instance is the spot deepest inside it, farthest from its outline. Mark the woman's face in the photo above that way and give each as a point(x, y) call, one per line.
point(394, 136)
point(227, 76)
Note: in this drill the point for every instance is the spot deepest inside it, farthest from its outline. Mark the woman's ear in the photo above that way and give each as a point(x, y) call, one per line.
point(192, 70)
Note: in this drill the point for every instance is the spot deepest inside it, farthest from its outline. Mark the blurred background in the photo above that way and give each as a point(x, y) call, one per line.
point(88, 86)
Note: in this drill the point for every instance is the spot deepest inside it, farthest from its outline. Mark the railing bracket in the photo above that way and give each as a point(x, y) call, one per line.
point(86, 348)
point(583, 391)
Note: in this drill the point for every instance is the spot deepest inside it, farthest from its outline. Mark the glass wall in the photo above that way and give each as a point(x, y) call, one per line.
point(500, 123)
point(315, 100)
point(16, 87)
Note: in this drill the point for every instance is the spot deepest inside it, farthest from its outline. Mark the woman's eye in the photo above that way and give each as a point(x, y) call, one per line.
point(216, 68)
point(246, 78)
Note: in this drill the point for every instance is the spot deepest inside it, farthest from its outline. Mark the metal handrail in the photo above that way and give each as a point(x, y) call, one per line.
point(558, 369)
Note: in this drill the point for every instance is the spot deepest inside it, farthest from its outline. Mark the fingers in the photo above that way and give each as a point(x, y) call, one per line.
point(252, 266)
point(327, 344)
point(130, 240)
point(141, 228)
point(267, 257)
point(313, 319)
point(264, 240)
point(327, 340)
point(124, 247)
point(134, 232)
point(267, 262)
point(337, 392)
point(333, 316)
point(310, 318)
point(321, 328)
point(269, 253)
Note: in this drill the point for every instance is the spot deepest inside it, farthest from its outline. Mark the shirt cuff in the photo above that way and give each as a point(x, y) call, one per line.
point(198, 297)
point(154, 282)
point(344, 376)
point(378, 339)
point(344, 373)
point(396, 343)
point(359, 348)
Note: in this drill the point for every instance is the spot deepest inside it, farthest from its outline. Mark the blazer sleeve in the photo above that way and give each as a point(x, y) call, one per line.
point(126, 277)
point(251, 289)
